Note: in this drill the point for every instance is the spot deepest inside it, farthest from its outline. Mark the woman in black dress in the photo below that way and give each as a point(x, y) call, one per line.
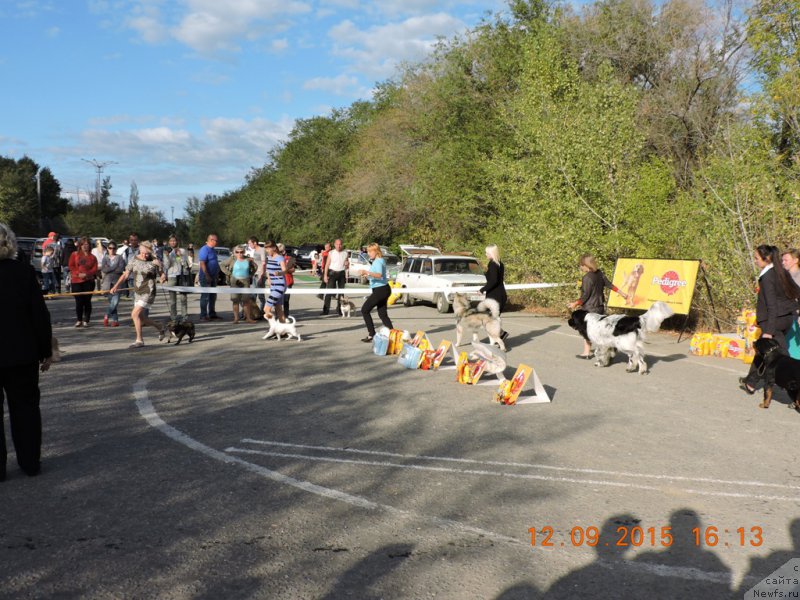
point(494, 288)
point(592, 297)
point(776, 307)
point(25, 323)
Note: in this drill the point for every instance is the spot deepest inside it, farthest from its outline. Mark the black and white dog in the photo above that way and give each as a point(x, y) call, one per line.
point(609, 333)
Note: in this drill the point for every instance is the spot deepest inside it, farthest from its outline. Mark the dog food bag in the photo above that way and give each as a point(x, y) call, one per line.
point(748, 355)
point(741, 325)
point(503, 393)
point(410, 357)
point(380, 344)
point(395, 341)
point(428, 356)
point(735, 349)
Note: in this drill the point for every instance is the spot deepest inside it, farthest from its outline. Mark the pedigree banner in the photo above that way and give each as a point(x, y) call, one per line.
point(648, 280)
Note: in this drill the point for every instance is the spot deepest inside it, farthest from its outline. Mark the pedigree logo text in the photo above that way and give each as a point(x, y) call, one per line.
point(670, 282)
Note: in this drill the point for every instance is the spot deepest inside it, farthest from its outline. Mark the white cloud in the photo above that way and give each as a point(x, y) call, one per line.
point(352, 4)
point(146, 20)
point(213, 26)
point(222, 146)
point(279, 45)
point(53, 32)
point(340, 85)
point(377, 51)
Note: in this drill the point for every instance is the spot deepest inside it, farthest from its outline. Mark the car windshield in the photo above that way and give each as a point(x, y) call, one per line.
point(461, 266)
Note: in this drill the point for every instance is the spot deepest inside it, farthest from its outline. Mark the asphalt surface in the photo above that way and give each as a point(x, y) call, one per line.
point(234, 467)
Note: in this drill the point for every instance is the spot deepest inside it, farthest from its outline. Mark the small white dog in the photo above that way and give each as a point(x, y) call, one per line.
point(347, 307)
point(279, 329)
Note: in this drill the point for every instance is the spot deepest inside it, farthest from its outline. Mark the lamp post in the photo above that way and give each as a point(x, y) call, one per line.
point(39, 196)
point(99, 166)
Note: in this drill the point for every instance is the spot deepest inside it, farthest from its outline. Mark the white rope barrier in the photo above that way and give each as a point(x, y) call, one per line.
point(352, 290)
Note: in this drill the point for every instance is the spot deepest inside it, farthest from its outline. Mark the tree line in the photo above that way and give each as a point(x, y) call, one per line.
point(630, 128)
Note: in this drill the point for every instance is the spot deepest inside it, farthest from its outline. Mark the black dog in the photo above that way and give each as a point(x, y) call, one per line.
point(179, 329)
point(777, 368)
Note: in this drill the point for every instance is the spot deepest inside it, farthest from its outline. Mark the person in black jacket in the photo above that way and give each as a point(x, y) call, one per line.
point(25, 323)
point(776, 306)
point(494, 288)
point(592, 297)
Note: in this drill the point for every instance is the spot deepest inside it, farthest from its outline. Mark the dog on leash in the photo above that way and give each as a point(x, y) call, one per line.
point(485, 316)
point(179, 329)
point(609, 333)
point(278, 329)
point(347, 307)
point(777, 369)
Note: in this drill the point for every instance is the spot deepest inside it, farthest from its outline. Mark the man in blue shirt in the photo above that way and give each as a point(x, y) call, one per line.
point(209, 270)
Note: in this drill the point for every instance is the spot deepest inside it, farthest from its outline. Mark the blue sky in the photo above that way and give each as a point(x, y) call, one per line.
point(184, 97)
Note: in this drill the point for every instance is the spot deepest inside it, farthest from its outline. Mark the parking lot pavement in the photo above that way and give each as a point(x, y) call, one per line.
point(238, 467)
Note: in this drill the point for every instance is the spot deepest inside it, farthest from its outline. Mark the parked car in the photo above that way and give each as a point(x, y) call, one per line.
point(36, 255)
point(359, 264)
point(303, 254)
point(25, 246)
point(425, 267)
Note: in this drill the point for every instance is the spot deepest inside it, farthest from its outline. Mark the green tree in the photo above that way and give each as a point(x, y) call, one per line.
point(774, 35)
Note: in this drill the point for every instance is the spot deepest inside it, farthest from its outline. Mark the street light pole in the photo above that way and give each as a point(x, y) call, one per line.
point(39, 196)
point(99, 166)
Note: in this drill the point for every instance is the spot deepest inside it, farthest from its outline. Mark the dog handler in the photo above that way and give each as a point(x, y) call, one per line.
point(379, 284)
point(145, 269)
point(495, 289)
point(276, 273)
point(592, 299)
point(776, 307)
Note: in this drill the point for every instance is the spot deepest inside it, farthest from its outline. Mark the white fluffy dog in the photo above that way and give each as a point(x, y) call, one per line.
point(609, 333)
point(485, 316)
point(279, 329)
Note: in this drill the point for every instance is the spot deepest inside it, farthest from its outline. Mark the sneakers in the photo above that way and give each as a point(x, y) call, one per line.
point(204, 319)
point(137, 345)
point(115, 324)
point(105, 321)
point(86, 323)
point(78, 324)
point(216, 318)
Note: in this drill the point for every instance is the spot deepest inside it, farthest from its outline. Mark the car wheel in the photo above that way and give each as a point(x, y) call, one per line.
point(408, 300)
point(442, 305)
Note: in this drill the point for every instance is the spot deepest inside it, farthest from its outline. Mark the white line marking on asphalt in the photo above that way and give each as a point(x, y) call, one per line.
point(524, 465)
point(635, 486)
point(154, 420)
point(151, 416)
